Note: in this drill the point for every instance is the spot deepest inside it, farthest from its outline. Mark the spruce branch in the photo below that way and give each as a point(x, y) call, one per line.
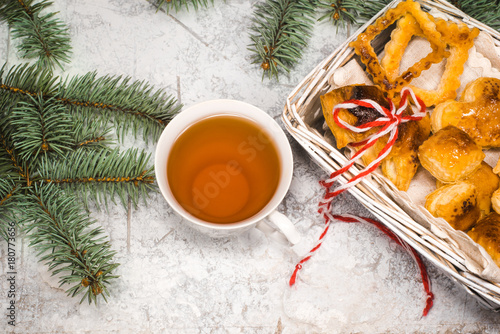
point(93, 134)
point(101, 174)
point(65, 240)
point(11, 165)
point(40, 126)
point(339, 12)
point(131, 105)
point(43, 36)
point(280, 31)
point(370, 8)
point(7, 170)
point(23, 80)
point(178, 4)
point(7, 189)
point(486, 11)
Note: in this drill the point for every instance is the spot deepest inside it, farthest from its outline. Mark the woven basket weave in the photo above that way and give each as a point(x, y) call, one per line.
point(304, 120)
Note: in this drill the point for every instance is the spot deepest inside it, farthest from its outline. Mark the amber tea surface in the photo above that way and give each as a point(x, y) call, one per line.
point(223, 169)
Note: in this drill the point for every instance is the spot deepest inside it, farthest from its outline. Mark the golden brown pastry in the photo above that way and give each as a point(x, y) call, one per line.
point(487, 234)
point(477, 113)
point(401, 164)
point(456, 203)
point(496, 170)
point(495, 201)
point(460, 39)
point(355, 116)
point(486, 182)
point(457, 36)
point(406, 28)
point(450, 154)
point(426, 23)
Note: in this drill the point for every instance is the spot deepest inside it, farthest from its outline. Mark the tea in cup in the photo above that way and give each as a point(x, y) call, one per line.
point(225, 166)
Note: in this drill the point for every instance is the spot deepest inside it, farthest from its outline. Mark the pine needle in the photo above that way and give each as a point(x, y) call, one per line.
point(11, 166)
point(177, 5)
point(101, 174)
point(43, 36)
point(40, 127)
point(339, 12)
point(279, 33)
point(486, 11)
point(24, 80)
point(370, 8)
point(67, 242)
point(91, 133)
point(130, 105)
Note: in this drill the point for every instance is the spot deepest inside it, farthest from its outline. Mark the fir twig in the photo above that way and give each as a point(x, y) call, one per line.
point(101, 174)
point(66, 241)
point(11, 166)
point(43, 36)
point(279, 33)
point(129, 104)
point(7, 170)
point(40, 127)
point(486, 11)
point(370, 8)
point(178, 4)
point(93, 134)
point(339, 12)
point(23, 80)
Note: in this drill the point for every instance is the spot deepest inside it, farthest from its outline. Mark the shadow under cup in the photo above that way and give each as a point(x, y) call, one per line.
point(223, 164)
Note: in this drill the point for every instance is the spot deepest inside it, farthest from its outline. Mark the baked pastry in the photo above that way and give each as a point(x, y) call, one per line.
point(402, 162)
point(496, 170)
point(427, 25)
point(495, 201)
point(458, 37)
point(456, 203)
point(487, 234)
point(355, 116)
point(477, 112)
point(486, 182)
point(450, 154)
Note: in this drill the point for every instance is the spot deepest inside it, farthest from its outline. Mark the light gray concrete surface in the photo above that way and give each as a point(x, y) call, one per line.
point(176, 280)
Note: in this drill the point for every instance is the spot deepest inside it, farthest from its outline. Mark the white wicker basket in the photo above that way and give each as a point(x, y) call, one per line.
point(304, 120)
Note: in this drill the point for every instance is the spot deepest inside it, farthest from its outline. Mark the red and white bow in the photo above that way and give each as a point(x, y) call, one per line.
point(389, 122)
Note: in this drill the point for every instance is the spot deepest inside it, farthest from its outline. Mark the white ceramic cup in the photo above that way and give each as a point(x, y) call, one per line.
point(280, 227)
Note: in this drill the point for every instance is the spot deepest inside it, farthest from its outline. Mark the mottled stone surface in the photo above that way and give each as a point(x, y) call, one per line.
point(176, 280)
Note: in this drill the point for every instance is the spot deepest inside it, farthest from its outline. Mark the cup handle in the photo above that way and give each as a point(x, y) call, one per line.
point(285, 232)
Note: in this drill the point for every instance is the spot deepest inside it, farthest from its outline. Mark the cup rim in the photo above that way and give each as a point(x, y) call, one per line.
point(208, 108)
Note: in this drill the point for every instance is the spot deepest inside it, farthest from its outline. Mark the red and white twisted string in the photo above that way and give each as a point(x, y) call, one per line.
point(389, 122)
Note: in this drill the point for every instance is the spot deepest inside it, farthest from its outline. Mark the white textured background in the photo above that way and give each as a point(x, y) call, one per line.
point(175, 280)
